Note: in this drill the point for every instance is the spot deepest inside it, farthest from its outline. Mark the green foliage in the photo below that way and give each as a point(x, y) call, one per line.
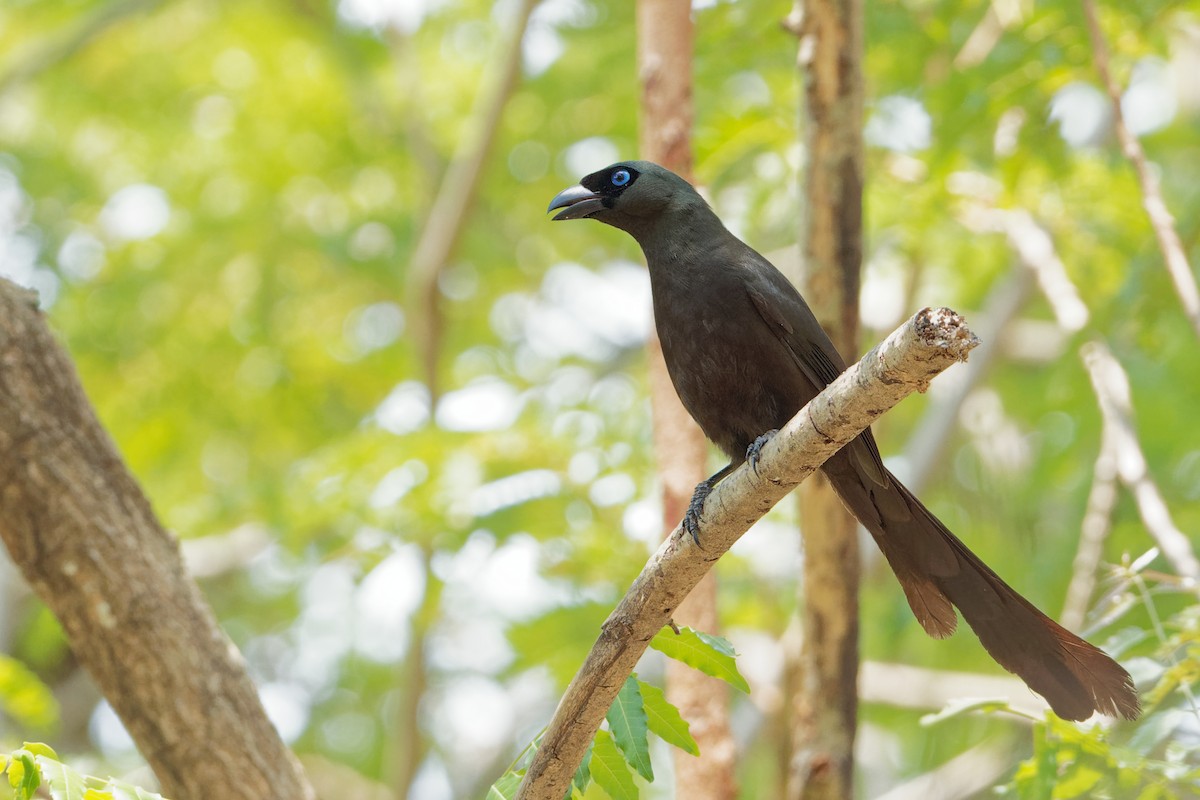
point(254, 358)
point(664, 719)
point(617, 754)
point(610, 770)
point(506, 787)
point(36, 766)
point(25, 698)
point(627, 722)
point(1142, 760)
point(1073, 762)
point(710, 654)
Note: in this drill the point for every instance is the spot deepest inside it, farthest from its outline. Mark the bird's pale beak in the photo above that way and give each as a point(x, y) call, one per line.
point(578, 202)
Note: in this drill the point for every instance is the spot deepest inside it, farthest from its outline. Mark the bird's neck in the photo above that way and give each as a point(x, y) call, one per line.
point(688, 228)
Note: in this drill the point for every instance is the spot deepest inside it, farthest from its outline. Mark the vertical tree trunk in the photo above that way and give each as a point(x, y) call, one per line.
point(440, 235)
point(665, 68)
point(412, 681)
point(830, 33)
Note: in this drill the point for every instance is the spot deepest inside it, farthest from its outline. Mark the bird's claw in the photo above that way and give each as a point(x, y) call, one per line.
point(691, 520)
point(755, 448)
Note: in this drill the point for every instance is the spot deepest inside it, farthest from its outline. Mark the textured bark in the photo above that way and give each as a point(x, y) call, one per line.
point(905, 362)
point(830, 33)
point(79, 528)
point(665, 69)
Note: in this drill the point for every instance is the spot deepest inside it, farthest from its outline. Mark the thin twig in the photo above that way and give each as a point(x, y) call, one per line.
point(1111, 385)
point(909, 358)
point(1097, 523)
point(1152, 200)
point(1035, 248)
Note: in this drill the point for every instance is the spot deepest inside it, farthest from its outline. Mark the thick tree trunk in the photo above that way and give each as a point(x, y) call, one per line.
point(84, 536)
point(665, 68)
point(826, 708)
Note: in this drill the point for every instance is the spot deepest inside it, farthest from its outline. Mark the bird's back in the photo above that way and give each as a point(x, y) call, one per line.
point(707, 319)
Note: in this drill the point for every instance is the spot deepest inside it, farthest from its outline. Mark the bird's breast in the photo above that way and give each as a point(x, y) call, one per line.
point(731, 372)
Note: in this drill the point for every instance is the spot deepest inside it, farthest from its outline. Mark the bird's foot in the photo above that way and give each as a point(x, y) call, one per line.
point(691, 520)
point(755, 448)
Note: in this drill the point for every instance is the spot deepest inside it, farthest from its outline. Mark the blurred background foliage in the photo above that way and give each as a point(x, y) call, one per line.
point(218, 203)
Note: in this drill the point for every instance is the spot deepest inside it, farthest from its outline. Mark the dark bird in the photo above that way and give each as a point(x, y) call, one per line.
point(745, 353)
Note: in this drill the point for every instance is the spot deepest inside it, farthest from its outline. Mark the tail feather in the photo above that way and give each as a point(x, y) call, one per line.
point(937, 572)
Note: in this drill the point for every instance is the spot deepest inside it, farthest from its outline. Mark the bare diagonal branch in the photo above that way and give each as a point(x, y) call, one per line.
point(1152, 200)
point(1097, 523)
point(1112, 391)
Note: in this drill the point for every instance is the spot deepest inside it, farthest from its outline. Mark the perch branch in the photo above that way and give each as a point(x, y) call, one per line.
point(905, 362)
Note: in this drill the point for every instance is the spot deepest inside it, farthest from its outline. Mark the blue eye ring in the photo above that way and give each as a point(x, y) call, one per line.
point(620, 178)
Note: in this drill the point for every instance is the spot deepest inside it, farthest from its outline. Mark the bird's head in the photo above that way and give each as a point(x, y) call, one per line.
point(630, 195)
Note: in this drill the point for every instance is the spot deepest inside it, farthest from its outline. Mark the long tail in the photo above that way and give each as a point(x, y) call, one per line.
point(937, 572)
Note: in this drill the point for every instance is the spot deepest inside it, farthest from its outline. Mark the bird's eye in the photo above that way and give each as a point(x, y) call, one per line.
point(620, 177)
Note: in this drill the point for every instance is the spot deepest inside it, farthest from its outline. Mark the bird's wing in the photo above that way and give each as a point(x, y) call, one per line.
point(820, 364)
point(791, 320)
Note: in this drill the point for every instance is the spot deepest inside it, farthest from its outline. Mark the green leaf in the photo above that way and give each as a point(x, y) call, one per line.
point(610, 770)
point(665, 720)
point(712, 655)
point(718, 643)
point(1077, 780)
point(64, 783)
point(40, 749)
point(23, 775)
point(24, 697)
point(506, 787)
point(627, 721)
point(16, 771)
